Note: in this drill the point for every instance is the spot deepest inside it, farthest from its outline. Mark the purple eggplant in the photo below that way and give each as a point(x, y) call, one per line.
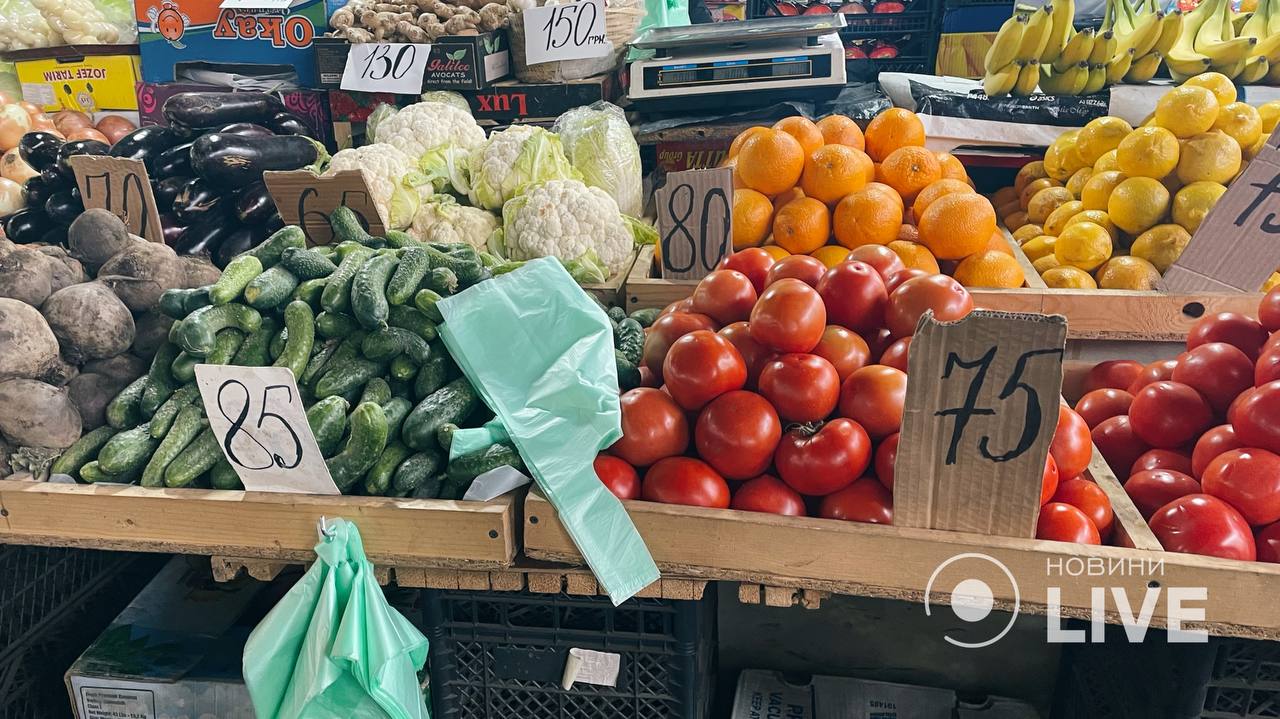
point(174, 162)
point(78, 147)
point(167, 190)
point(242, 240)
point(246, 129)
point(203, 237)
point(254, 205)
point(146, 144)
point(287, 123)
point(39, 149)
point(197, 202)
point(230, 161)
point(27, 225)
point(215, 109)
point(63, 208)
point(172, 228)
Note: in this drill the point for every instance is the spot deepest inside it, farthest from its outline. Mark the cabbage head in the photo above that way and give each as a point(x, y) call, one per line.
point(597, 140)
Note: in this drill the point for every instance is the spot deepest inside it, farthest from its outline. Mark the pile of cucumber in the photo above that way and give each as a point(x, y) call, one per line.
point(356, 322)
point(628, 342)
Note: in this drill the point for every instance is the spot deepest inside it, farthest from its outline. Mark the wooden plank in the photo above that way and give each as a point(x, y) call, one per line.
point(415, 577)
point(582, 584)
point(610, 291)
point(473, 581)
point(506, 581)
point(812, 598)
point(440, 578)
point(779, 596)
point(546, 583)
point(411, 532)
point(1031, 277)
point(750, 593)
point(1129, 524)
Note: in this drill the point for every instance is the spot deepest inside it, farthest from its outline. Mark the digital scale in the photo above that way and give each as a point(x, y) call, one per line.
point(739, 63)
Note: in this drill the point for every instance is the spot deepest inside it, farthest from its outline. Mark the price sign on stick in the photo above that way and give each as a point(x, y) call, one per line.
point(395, 67)
point(257, 415)
point(981, 411)
point(306, 200)
point(121, 186)
point(573, 31)
point(695, 221)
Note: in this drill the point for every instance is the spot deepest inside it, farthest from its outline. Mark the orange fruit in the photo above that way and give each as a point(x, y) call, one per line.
point(752, 213)
point(989, 269)
point(803, 129)
point(892, 129)
point(830, 255)
point(776, 252)
point(998, 243)
point(833, 171)
point(867, 217)
point(802, 226)
point(841, 130)
point(888, 192)
point(736, 146)
point(1016, 220)
point(909, 233)
point(781, 200)
point(935, 190)
point(957, 225)
point(909, 170)
point(951, 167)
point(770, 162)
point(1004, 196)
point(915, 256)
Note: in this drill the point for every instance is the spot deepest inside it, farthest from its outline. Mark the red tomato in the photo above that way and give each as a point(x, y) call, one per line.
point(1090, 499)
point(1161, 459)
point(665, 331)
point(893, 281)
point(1211, 444)
point(1154, 488)
point(1272, 342)
point(737, 433)
point(1072, 447)
point(1247, 479)
point(618, 476)
point(1201, 524)
point(767, 493)
point(897, 354)
point(684, 305)
point(1218, 371)
point(1169, 414)
point(879, 341)
point(1268, 543)
point(648, 378)
point(789, 317)
point(873, 397)
point(886, 455)
point(855, 296)
point(808, 270)
point(1267, 368)
point(653, 427)
point(804, 387)
point(866, 500)
point(1099, 404)
point(1116, 374)
point(1155, 372)
point(754, 355)
point(884, 260)
point(1233, 328)
point(725, 296)
point(821, 462)
point(1256, 417)
point(752, 262)
point(940, 293)
point(1048, 480)
point(1115, 439)
point(1064, 523)
point(685, 480)
point(701, 366)
point(844, 349)
point(1269, 311)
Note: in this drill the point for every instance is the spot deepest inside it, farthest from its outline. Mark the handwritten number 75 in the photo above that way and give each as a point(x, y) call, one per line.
point(1032, 416)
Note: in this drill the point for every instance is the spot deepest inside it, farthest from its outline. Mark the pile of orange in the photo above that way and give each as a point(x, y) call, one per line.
point(824, 188)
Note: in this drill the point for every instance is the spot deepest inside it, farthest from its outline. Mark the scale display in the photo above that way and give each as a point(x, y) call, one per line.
point(735, 71)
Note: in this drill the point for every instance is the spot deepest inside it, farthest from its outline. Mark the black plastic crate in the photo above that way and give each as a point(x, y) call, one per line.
point(500, 655)
point(917, 52)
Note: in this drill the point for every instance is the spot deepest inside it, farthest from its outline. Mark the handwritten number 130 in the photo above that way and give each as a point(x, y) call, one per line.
point(229, 388)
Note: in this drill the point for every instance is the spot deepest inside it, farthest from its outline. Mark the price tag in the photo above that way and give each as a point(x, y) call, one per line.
point(121, 186)
point(573, 31)
point(395, 67)
point(1237, 245)
point(695, 221)
point(981, 411)
point(306, 200)
point(257, 415)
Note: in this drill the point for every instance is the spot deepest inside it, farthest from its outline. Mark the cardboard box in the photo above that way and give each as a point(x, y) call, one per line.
point(310, 105)
point(461, 62)
point(176, 33)
point(95, 79)
point(678, 156)
point(510, 102)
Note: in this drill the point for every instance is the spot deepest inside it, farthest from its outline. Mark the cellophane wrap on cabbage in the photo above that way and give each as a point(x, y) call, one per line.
point(598, 142)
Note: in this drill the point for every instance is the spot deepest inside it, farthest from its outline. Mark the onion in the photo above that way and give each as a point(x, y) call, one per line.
point(68, 120)
point(43, 123)
point(15, 169)
point(87, 133)
point(13, 197)
point(29, 108)
point(115, 127)
point(14, 123)
point(5, 99)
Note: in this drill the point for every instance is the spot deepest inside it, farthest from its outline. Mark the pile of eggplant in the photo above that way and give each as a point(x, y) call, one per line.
point(205, 167)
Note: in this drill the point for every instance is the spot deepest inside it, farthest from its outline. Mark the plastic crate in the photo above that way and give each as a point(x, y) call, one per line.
point(500, 655)
point(917, 52)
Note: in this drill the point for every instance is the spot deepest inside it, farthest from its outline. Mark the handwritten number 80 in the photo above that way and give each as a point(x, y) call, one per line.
point(702, 248)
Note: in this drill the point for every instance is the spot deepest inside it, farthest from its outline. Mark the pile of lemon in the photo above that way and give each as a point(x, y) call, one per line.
point(1112, 206)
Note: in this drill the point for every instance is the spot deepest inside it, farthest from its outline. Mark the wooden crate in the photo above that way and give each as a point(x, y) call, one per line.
point(261, 525)
point(610, 291)
point(1091, 314)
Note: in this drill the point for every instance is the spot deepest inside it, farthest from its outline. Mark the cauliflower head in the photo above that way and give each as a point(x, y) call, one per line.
point(444, 220)
point(569, 220)
point(425, 126)
point(385, 170)
point(512, 159)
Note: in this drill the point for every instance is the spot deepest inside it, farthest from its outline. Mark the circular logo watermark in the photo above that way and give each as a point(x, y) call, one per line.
point(972, 599)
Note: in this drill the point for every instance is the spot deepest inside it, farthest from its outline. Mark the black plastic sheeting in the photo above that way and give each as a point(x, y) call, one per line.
point(1036, 109)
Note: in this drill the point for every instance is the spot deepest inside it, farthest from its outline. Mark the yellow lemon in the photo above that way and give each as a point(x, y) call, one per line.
point(1057, 219)
point(1100, 136)
point(1027, 232)
point(1084, 245)
point(1068, 278)
point(1272, 282)
point(1148, 152)
point(1269, 113)
point(1045, 202)
point(1127, 273)
point(1187, 110)
point(1076, 182)
point(1016, 220)
point(1241, 122)
point(1098, 189)
point(1038, 247)
point(1138, 203)
point(1053, 166)
point(1097, 217)
point(1106, 162)
point(1252, 151)
point(1003, 196)
point(1027, 173)
point(1047, 262)
point(1224, 91)
point(1193, 202)
point(1031, 188)
point(1211, 156)
point(989, 269)
point(830, 255)
point(1161, 245)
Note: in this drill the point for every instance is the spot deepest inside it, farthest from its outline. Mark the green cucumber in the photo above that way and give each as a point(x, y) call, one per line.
point(276, 346)
point(307, 264)
point(449, 404)
point(83, 451)
point(441, 280)
point(616, 314)
point(318, 361)
point(335, 324)
point(127, 450)
point(433, 373)
point(162, 420)
point(377, 391)
point(309, 291)
point(177, 303)
point(337, 292)
point(628, 338)
point(403, 369)
point(396, 409)
point(426, 301)
point(402, 388)
point(347, 228)
point(463, 470)
point(194, 460)
point(414, 265)
point(200, 328)
point(271, 288)
point(94, 474)
point(369, 291)
point(328, 421)
point(175, 330)
point(300, 321)
point(160, 380)
point(628, 373)
point(254, 351)
point(186, 427)
point(414, 471)
point(124, 410)
point(378, 479)
point(400, 238)
point(646, 316)
point(346, 376)
point(364, 446)
point(461, 259)
point(225, 346)
point(183, 367)
point(390, 342)
point(444, 435)
point(415, 321)
point(269, 252)
point(342, 249)
point(237, 275)
point(223, 476)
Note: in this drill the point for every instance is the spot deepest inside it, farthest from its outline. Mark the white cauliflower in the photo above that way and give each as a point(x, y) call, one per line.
point(569, 220)
point(425, 126)
point(385, 170)
point(512, 159)
point(444, 220)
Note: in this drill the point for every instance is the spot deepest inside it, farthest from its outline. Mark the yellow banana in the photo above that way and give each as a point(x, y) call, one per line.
point(1118, 66)
point(1005, 47)
point(1273, 75)
point(1180, 71)
point(1079, 79)
point(1210, 38)
point(1056, 83)
point(1076, 51)
point(1268, 48)
point(1273, 24)
point(1144, 68)
point(1104, 48)
point(1232, 51)
point(1036, 35)
point(1170, 29)
point(1183, 60)
point(1256, 25)
point(1028, 78)
point(1061, 32)
point(1097, 79)
point(1143, 37)
point(1000, 82)
point(1231, 69)
point(1255, 69)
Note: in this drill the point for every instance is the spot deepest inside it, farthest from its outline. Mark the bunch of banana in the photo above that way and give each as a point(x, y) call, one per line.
point(1263, 25)
point(1143, 38)
point(1012, 64)
point(1245, 46)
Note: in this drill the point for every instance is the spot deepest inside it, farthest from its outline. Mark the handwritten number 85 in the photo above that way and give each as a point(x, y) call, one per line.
point(703, 248)
point(237, 424)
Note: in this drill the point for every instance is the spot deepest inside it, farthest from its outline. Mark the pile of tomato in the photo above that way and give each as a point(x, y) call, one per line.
point(778, 386)
point(1198, 435)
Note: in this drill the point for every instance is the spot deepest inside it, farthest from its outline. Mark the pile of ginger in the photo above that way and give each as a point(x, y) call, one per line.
point(421, 21)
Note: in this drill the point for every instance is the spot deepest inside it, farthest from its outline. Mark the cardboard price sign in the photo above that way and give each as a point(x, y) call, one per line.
point(395, 67)
point(695, 222)
point(981, 411)
point(1237, 246)
point(306, 200)
point(257, 415)
point(122, 187)
point(573, 31)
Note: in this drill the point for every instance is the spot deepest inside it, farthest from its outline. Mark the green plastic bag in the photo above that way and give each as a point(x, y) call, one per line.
point(540, 352)
point(333, 648)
